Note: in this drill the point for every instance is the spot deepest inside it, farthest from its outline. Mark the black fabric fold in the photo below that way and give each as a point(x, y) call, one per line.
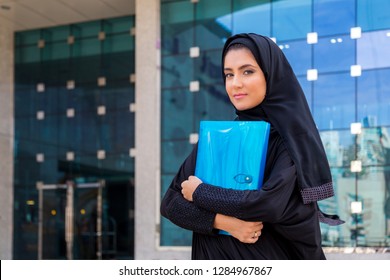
point(286, 108)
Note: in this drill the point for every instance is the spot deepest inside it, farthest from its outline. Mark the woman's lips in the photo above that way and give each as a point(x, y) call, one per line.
point(239, 95)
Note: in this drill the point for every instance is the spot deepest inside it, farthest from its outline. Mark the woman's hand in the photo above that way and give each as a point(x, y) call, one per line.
point(189, 186)
point(246, 232)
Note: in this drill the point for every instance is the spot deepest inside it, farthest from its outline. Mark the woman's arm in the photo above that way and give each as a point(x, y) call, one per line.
point(268, 204)
point(182, 212)
point(189, 216)
point(246, 232)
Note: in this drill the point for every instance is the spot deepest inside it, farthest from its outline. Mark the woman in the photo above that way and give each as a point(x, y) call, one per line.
point(281, 220)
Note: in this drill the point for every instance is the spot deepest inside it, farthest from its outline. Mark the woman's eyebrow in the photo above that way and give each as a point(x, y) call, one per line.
point(239, 68)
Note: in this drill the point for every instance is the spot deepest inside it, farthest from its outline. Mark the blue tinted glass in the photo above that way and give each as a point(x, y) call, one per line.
point(333, 16)
point(118, 96)
point(117, 132)
point(87, 29)
point(172, 235)
point(334, 54)
point(118, 43)
point(208, 67)
point(373, 142)
point(177, 27)
point(337, 144)
point(334, 105)
point(23, 93)
point(374, 97)
point(373, 49)
point(177, 106)
point(173, 154)
point(212, 103)
point(373, 15)
point(178, 71)
point(27, 37)
point(27, 54)
point(59, 33)
point(209, 33)
point(120, 25)
point(298, 54)
point(256, 19)
point(291, 19)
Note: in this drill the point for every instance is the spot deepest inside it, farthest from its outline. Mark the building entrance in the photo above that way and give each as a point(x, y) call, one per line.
point(71, 223)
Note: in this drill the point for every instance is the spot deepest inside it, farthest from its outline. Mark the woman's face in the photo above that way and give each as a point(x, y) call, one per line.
point(245, 81)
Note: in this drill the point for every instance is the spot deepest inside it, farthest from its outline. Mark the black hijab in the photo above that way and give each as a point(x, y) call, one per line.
point(286, 108)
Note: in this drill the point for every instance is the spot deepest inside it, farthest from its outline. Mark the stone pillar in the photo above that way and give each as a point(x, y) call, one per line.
point(6, 138)
point(147, 134)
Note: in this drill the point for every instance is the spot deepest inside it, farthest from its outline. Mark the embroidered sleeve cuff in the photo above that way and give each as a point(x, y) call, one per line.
point(189, 216)
point(218, 200)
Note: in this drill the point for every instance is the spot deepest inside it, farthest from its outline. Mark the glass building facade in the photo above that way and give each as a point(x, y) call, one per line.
point(75, 111)
point(74, 122)
point(340, 52)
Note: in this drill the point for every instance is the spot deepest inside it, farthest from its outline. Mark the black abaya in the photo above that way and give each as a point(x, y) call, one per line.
point(297, 175)
point(291, 228)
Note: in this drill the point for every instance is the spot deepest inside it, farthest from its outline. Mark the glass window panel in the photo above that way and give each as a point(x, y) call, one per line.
point(49, 172)
point(30, 37)
point(86, 47)
point(299, 54)
point(117, 166)
point(333, 16)
point(23, 135)
point(334, 54)
point(373, 50)
point(27, 54)
point(172, 235)
point(255, 18)
point(118, 43)
point(212, 103)
point(209, 33)
point(117, 95)
point(374, 98)
point(369, 227)
point(177, 71)
point(373, 15)
point(371, 148)
point(119, 66)
point(177, 31)
point(85, 70)
point(24, 92)
point(291, 19)
point(86, 29)
point(334, 97)
point(58, 33)
point(339, 147)
point(173, 154)
point(208, 67)
point(87, 136)
point(177, 114)
point(56, 51)
point(121, 25)
point(117, 132)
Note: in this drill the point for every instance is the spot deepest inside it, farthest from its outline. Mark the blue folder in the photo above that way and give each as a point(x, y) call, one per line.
point(232, 154)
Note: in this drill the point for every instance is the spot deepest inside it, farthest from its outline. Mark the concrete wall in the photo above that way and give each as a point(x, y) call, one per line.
point(6, 138)
point(147, 136)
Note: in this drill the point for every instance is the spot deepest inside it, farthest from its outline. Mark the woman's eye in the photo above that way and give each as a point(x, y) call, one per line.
point(228, 75)
point(247, 72)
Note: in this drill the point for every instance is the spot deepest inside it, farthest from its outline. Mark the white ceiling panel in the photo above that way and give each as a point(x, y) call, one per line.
point(53, 11)
point(32, 14)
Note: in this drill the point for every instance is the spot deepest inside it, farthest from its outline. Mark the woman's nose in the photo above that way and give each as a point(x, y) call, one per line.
point(237, 81)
